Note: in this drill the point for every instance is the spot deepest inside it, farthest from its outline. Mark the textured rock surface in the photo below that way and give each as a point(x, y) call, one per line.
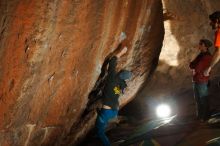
point(51, 56)
point(185, 23)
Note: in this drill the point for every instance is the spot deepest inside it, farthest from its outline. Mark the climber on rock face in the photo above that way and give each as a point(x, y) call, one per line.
point(114, 87)
point(200, 82)
point(215, 24)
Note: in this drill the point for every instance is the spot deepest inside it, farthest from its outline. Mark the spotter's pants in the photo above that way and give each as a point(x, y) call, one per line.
point(202, 102)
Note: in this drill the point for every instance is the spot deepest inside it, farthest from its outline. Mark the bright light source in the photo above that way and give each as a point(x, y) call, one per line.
point(163, 111)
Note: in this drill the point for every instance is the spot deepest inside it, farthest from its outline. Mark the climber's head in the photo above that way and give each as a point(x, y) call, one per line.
point(124, 74)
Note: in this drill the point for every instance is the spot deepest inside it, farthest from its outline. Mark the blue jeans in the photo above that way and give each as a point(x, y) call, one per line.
point(201, 97)
point(101, 123)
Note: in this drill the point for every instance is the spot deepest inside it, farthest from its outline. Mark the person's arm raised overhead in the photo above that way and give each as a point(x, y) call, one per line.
point(122, 52)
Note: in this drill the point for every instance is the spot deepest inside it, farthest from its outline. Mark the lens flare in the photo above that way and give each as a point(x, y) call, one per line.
point(163, 111)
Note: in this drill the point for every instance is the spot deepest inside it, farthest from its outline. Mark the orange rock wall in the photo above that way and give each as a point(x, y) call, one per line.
point(51, 54)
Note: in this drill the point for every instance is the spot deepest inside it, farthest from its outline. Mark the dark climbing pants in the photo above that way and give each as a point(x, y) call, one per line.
point(202, 102)
point(101, 123)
